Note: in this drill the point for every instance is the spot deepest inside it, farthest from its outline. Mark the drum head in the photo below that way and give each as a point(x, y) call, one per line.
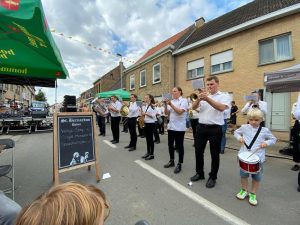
point(244, 157)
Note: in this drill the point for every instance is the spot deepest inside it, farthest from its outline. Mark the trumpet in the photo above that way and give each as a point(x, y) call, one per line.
point(193, 97)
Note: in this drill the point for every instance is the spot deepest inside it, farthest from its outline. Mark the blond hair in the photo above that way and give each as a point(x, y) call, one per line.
point(255, 113)
point(67, 204)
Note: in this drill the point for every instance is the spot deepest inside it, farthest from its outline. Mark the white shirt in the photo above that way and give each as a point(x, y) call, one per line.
point(133, 110)
point(247, 132)
point(210, 115)
point(226, 113)
point(177, 122)
point(152, 112)
point(297, 110)
point(262, 105)
point(117, 105)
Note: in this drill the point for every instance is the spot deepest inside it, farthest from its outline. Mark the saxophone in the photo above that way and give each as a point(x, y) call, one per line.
point(141, 120)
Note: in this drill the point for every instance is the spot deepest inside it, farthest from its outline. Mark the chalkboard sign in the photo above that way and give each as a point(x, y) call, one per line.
point(74, 142)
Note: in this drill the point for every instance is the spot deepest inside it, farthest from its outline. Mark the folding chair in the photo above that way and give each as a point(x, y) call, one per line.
point(8, 170)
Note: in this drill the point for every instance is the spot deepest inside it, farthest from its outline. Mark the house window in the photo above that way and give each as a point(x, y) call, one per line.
point(156, 73)
point(131, 82)
point(195, 69)
point(221, 62)
point(275, 49)
point(143, 78)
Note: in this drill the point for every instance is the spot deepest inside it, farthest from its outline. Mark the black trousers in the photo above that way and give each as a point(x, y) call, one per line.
point(125, 123)
point(115, 127)
point(176, 137)
point(213, 134)
point(101, 124)
point(162, 125)
point(149, 131)
point(194, 123)
point(132, 131)
point(155, 132)
point(295, 136)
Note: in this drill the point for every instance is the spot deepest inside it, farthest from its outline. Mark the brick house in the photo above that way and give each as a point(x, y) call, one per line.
point(154, 72)
point(239, 47)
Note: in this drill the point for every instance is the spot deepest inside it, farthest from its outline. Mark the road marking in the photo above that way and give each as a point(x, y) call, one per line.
point(109, 143)
point(218, 211)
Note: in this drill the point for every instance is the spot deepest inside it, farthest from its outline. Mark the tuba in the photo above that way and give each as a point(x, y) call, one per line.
point(124, 110)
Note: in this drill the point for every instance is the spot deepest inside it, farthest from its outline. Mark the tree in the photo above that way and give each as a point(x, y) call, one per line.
point(40, 96)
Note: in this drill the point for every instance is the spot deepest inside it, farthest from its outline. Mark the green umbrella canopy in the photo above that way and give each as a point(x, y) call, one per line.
point(125, 95)
point(28, 53)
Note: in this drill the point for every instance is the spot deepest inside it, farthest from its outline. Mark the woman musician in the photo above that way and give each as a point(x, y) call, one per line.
point(176, 109)
point(149, 114)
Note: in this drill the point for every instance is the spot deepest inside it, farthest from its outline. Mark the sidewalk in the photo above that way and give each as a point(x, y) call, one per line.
point(273, 151)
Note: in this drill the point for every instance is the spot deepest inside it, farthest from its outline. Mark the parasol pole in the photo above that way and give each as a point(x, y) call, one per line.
point(55, 96)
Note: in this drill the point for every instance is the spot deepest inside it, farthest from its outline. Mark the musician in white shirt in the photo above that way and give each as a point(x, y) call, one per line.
point(176, 110)
point(114, 109)
point(132, 116)
point(212, 104)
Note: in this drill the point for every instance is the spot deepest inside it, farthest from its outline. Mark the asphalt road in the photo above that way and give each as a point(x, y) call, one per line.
point(139, 189)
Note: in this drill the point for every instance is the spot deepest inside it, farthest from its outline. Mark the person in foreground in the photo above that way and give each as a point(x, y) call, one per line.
point(67, 204)
point(9, 210)
point(254, 138)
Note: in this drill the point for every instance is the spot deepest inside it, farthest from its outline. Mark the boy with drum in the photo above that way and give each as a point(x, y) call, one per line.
point(255, 139)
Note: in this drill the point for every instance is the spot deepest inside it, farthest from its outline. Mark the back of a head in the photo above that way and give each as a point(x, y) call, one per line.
point(66, 204)
point(255, 113)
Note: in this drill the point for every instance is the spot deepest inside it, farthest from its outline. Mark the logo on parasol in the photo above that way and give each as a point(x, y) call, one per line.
point(10, 4)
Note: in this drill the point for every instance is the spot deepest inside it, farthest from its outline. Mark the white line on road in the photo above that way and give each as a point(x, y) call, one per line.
point(109, 143)
point(218, 211)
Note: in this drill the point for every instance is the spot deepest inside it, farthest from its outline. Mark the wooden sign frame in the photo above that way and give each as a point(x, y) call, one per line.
point(56, 146)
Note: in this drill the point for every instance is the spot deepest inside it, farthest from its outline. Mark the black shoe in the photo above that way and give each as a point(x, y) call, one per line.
point(145, 156)
point(298, 188)
point(178, 168)
point(115, 142)
point(99, 134)
point(126, 131)
point(132, 149)
point(170, 164)
point(112, 140)
point(128, 146)
point(149, 157)
point(210, 183)
point(142, 136)
point(156, 142)
point(295, 168)
point(103, 135)
point(197, 177)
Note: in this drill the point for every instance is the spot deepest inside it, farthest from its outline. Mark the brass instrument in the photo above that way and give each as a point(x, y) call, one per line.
point(141, 120)
point(190, 113)
point(124, 110)
point(193, 97)
point(100, 108)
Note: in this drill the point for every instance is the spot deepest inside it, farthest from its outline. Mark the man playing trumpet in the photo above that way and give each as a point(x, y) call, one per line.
point(212, 103)
point(114, 109)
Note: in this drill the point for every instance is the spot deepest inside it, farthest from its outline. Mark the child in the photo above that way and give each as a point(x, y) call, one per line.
point(245, 134)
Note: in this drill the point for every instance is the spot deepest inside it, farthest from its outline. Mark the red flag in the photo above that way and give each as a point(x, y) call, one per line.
point(10, 4)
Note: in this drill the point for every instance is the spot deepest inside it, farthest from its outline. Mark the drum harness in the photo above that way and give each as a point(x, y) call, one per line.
point(253, 140)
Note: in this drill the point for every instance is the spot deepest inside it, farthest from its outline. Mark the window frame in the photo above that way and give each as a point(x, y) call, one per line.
point(222, 70)
point(143, 71)
point(155, 82)
point(196, 69)
point(130, 78)
point(275, 52)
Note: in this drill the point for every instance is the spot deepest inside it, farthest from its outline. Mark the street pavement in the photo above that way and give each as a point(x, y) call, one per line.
point(139, 189)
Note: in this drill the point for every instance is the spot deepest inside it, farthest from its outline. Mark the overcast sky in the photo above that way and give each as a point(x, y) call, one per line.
point(128, 27)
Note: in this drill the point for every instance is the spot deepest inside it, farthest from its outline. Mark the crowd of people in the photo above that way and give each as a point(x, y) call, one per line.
point(208, 113)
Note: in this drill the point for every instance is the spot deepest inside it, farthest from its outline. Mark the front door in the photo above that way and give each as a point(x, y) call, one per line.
point(279, 108)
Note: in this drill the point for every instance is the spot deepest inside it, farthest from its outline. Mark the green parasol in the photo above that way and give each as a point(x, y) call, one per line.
point(125, 95)
point(28, 53)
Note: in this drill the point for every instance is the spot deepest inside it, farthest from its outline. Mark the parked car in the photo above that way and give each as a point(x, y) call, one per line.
point(38, 109)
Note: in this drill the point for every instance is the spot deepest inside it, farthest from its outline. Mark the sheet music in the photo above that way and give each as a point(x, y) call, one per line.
point(166, 96)
point(198, 84)
point(248, 98)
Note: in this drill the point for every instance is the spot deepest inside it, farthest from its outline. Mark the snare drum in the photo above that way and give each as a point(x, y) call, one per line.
point(249, 165)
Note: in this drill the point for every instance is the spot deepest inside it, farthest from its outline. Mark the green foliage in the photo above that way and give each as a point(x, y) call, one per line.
point(40, 96)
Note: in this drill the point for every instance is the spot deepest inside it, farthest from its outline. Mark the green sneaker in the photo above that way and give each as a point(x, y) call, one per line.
point(252, 199)
point(242, 194)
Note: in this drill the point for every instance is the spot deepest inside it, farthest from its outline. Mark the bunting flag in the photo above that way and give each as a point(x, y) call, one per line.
point(91, 45)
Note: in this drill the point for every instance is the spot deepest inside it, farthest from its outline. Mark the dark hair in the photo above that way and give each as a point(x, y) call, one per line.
point(213, 78)
point(152, 101)
point(134, 95)
point(115, 97)
point(180, 90)
point(233, 102)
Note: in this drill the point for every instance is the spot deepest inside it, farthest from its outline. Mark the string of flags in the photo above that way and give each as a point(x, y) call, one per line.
point(91, 45)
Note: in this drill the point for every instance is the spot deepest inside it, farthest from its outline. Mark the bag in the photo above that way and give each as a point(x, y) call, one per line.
point(159, 120)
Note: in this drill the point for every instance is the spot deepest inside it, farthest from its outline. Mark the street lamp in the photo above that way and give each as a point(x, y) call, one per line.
point(121, 69)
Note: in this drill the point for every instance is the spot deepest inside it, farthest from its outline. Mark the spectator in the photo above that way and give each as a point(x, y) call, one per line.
point(9, 210)
point(67, 204)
